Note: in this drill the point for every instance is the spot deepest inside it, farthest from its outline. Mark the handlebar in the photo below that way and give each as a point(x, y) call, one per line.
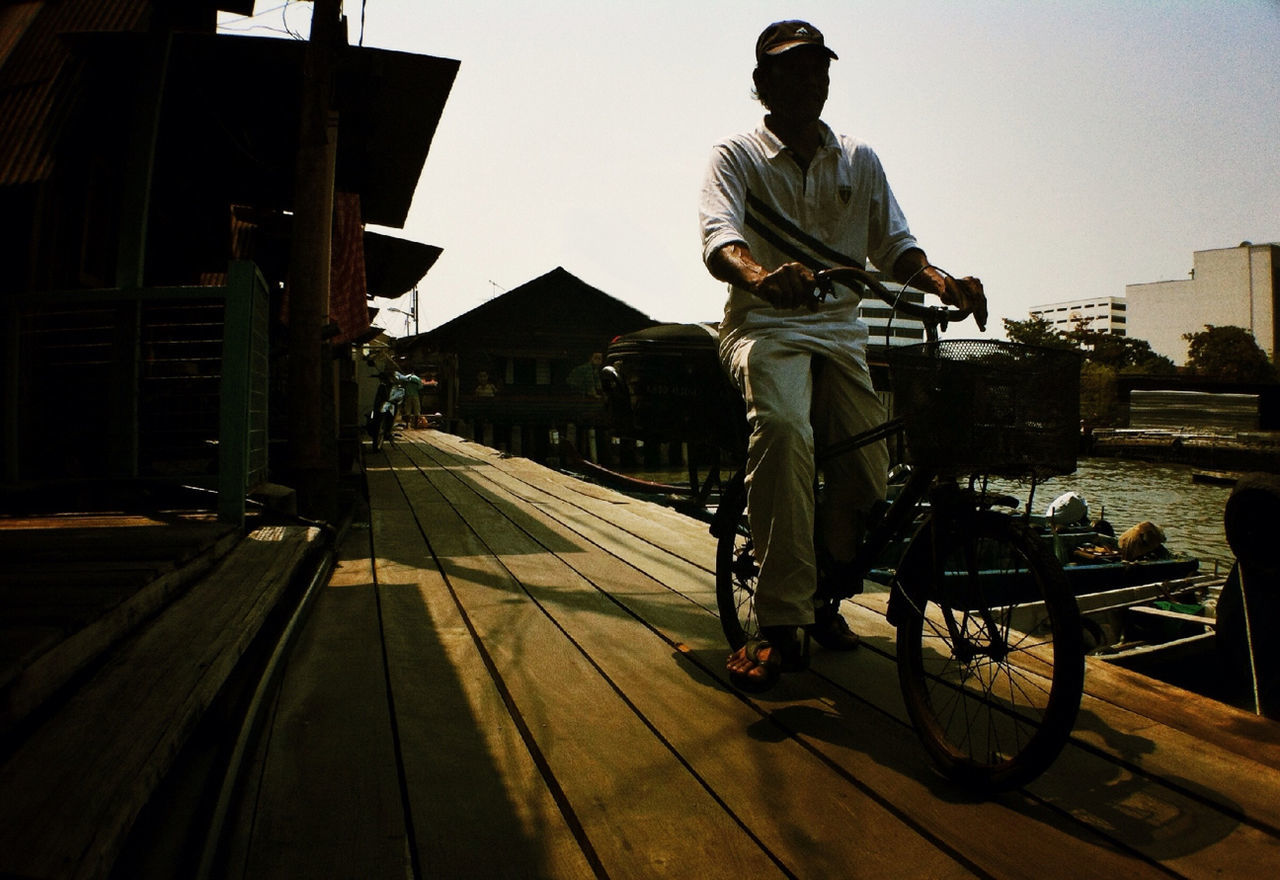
point(933, 317)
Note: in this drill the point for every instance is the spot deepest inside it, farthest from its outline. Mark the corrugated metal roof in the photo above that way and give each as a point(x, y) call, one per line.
point(243, 136)
point(35, 87)
point(14, 20)
point(390, 101)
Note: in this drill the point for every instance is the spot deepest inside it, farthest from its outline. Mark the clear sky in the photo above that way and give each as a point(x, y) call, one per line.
point(1054, 149)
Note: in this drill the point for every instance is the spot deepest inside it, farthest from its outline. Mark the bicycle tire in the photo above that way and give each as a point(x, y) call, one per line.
point(380, 430)
point(736, 572)
point(991, 661)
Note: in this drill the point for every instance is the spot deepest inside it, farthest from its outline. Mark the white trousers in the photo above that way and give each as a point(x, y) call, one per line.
point(786, 409)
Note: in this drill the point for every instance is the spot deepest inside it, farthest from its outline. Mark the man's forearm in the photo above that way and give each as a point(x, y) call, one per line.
point(734, 264)
point(789, 286)
point(965, 293)
point(909, 264)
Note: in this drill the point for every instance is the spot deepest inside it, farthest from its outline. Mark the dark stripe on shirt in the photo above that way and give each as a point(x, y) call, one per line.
point(783, 245)
point(791, 249)
point(799, 235)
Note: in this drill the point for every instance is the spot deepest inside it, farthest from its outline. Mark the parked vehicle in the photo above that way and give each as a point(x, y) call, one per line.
point(665, 383)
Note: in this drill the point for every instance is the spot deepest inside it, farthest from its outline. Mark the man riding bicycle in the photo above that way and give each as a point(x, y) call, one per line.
point(778, 204)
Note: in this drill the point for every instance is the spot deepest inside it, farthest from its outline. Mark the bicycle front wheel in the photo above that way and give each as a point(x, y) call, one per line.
point(990, 650)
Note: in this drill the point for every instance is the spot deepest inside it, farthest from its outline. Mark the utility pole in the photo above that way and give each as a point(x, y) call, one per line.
point(312, 435)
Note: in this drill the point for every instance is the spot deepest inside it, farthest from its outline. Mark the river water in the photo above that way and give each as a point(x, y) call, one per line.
point(1128, 492)
point(1125, 493)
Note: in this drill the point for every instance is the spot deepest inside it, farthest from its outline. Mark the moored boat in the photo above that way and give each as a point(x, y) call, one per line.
point(1148, 626)
point(1215, 478)
point(1093, 560)
point(1092, 557)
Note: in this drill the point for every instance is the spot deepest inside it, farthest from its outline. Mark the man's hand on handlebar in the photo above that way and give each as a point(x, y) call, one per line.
point(963, 293)
point(790, 286)
point(794, 285)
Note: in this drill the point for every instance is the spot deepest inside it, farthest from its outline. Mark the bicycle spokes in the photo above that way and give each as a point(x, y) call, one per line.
point(989, 654)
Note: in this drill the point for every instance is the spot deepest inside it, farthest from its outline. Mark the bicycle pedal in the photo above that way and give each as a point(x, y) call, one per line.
point(876, 514)
point(838, 580)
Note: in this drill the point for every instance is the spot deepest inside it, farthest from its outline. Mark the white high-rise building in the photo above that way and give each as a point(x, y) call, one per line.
point(1105, 314)
point(886, 327)
point(1228, 287)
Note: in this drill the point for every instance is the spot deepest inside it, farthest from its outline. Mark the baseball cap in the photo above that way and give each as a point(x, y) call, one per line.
point(783, 35)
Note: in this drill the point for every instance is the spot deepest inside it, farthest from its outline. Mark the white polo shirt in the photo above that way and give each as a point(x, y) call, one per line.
point(838, 211)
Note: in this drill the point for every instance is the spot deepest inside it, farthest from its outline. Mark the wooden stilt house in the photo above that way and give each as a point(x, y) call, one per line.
point(151, 233)
point(523, 364)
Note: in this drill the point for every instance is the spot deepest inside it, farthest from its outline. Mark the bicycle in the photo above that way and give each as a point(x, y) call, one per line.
point(386, 404)
point(988, 634)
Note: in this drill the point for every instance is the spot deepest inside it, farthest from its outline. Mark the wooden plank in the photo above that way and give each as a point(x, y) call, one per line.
point(183, 526)
point(1150, 658)
point(1149, 611)
point(1233, 730)
point(630, 792)
point(67, 602)
point(1175, 798)
point(672, 531)
point(843, 736)
point(656, 540)
point(549, 574)
point(1147, 701)
point(326, 793)
point(1272, 789)
point(36, 676)
point(21, 574)
point(479, 803)
point(73, 789)
point(630, 591)
point(18, 644)
point(168, 542)
point(684, 570)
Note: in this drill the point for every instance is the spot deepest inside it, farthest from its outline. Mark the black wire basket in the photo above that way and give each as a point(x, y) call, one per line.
point(977, 406)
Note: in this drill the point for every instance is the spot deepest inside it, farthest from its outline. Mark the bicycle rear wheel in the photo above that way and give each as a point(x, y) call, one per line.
point(736, 572)
point(990, 650)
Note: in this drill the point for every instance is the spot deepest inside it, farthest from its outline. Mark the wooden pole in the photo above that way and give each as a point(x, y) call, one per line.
point(312, 446)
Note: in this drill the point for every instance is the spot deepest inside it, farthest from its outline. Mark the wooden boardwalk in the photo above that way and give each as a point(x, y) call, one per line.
point(120, 699)
point(73, 585)
point(516, 674)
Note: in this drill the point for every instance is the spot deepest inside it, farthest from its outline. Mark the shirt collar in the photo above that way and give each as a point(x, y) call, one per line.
point(773, 146)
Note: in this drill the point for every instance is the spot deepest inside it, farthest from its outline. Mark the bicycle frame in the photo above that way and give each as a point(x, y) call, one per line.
point(988, 635)
point(897, 518)
point(901, 510)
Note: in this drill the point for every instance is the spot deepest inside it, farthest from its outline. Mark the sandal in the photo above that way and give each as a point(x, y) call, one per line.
point(831, 630)
point(777, 650)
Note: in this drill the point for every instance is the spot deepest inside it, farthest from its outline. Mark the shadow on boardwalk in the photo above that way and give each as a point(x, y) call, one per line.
point(513, 673)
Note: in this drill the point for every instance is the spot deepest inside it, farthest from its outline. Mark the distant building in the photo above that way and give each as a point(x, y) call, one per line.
point(517, 363)
point(1106, 314)
point(1228, 287)
point(886, 327)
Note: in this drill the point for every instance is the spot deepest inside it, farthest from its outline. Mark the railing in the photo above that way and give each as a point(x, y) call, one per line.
point(163, 383)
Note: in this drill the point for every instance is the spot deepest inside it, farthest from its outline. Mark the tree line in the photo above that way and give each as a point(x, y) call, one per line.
point(1228, 354)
